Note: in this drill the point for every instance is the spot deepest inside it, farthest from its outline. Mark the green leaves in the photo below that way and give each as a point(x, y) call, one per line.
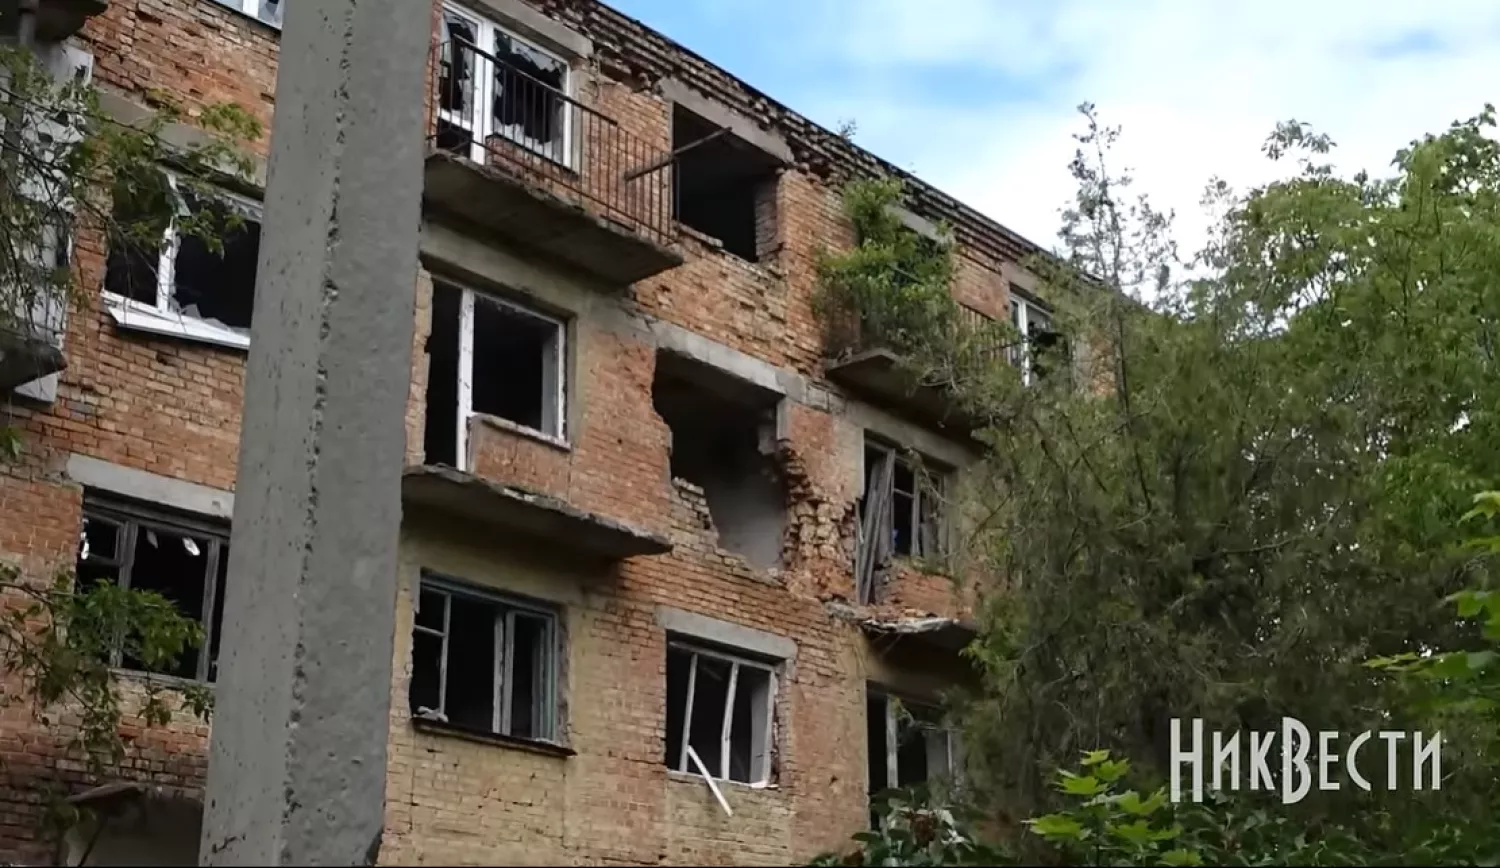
point(59, 644)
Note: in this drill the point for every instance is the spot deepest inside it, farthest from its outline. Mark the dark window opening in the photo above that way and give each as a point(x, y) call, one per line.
point(185, 562)
point(514, 370)
point(720, 706)
point(909, 746)
point(875, 754)
point(218, 285)
point(516, 365)
point(469, 697)
point(483, 664)
point(142, 210)
point(215, 283)
point(455, 67)
point(440, 433)
point(529, 85)
point(907, 496)
point(724, 187)
point(723, 441)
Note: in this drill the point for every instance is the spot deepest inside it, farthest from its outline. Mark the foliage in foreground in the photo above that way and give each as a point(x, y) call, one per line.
point(68, 169)
point(1102, 820)
point(1251, 485)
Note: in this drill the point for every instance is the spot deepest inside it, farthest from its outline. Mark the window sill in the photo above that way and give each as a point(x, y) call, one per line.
point(695, 778)
point(713, 246)
point(545, 748)
point(169, 682)
point(136, 316)
point(510, 427)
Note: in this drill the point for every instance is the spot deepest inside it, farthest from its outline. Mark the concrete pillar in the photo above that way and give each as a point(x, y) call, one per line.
point(297, 771)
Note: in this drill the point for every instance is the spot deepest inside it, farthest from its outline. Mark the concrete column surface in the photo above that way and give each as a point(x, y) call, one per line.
point(297, 768)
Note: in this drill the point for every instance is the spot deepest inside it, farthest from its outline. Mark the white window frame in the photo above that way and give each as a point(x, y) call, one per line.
point(947, 749)
point(762, 755)
point(479, 120)
point(545, 704)
point(558, 388)
point(1023, 311)
point(162, 318)
point(259, 9)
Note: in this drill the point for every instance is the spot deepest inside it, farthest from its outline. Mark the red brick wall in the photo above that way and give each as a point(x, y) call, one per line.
point(173, 408)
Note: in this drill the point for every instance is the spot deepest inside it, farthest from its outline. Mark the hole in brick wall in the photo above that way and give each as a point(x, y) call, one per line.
point(130, 827)
point(724, 187)
point(723, 441)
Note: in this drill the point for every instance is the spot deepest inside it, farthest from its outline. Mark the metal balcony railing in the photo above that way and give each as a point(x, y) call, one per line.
point(496, 113)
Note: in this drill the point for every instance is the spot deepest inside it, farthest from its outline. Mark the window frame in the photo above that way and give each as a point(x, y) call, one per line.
point(159, 317)
point(952, 751)
point(766, 752)
point(253, 8)
point(129, 518)
point(556, 392)
point(479, 120)
point(921, 469)
point(547, 707)
point(1023, 309)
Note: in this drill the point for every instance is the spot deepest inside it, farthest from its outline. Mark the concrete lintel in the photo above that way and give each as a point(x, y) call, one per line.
point(675, 338)
point(143, 485)
point(696, 626)
point(128, 112)
point(517, 15)
point(910, 435)
point(915, 222)
point(717, 113)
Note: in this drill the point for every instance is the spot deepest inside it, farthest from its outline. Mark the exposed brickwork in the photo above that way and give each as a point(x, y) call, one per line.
point(172, 408)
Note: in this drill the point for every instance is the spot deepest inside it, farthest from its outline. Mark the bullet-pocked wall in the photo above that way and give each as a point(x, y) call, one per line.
point(144, 429)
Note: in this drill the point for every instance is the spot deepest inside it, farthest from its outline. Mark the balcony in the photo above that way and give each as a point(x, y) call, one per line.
point(515, 157)
point(27, 355)
point(525, 515)
point(867, 358)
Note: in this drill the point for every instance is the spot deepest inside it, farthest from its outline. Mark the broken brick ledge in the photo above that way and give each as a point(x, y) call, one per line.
point(528, 514)
point(950, 634)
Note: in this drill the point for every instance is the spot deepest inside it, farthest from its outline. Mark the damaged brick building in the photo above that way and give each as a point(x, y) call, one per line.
point(669, 561)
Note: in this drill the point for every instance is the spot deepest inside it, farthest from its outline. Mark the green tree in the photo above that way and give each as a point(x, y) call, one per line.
point(1250, 482)
point(68, 170)
point(1264, 491)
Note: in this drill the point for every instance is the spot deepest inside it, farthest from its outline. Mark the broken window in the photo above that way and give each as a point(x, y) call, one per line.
point(909, 745)
point(492, 82)
point(484, 662)
point(185, 561)
point(722, 707)
point(490, 357)
point(724, 441)
point(1041, 345)
point(724, 187)
point(160, 277)
point(900, 513)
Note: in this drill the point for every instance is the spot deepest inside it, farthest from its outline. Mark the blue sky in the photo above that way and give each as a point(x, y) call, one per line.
point(978, 96)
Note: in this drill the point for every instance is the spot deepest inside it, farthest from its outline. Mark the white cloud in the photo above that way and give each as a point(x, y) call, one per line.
point(1196, 85)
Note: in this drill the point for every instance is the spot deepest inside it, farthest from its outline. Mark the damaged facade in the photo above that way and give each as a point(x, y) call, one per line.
point(653, 534)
